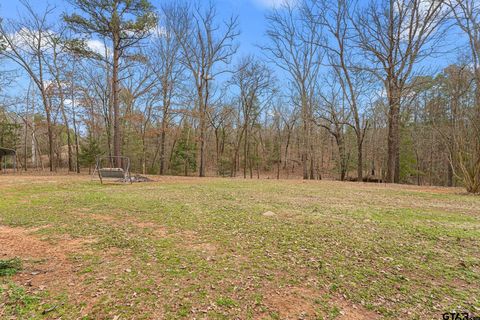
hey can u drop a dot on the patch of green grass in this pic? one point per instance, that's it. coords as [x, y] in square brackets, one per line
[10, 267]
[18, 302]
[203, 248]
[226, 302]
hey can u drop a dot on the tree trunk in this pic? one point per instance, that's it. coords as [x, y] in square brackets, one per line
[144, 157]
[304, 152]
[69, 139]
[341, 153]
[312, 171]
[202, 142]
[117, 140]
[25, 141]
[77, 144]
[360, 158]
[449, 174]
[49, 132]
[50, 142]
[245, 153]
[162, 150]
[305, 135]
[393, 153]
[287, 144]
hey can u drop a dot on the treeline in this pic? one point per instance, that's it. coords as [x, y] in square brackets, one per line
[336, 89]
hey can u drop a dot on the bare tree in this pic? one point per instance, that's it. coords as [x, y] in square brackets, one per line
[138, 96]
[169, 72]
[394, 36]
[56, 63]
[295, 47]
[335, 19]
[219, 116]
[255, 84]
[205, 45]
[27, 46]
[467, 146]
[334, 115]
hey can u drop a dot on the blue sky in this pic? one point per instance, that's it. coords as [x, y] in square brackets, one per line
[251, 16]
[252, 24]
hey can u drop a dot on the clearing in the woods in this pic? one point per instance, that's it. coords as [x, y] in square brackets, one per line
[235, 249]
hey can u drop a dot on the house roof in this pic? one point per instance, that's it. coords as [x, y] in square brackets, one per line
[6, 152]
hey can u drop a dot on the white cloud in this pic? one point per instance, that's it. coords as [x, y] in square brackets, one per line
[27, 39]
[158, 31]
[96, 46]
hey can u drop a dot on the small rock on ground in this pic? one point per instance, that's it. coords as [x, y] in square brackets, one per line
[269, 214]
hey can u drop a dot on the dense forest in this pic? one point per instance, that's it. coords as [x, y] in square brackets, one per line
[337, 89]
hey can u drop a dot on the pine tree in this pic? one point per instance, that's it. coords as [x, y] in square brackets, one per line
[89, 152]
[124, 23]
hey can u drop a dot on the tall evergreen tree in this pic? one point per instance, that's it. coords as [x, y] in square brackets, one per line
[124, 23]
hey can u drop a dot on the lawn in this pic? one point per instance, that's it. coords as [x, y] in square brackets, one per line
[203, 249]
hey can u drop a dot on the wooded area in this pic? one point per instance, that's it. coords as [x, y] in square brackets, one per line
[341, 90]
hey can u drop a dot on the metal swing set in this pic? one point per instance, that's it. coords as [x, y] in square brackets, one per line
[113, 167]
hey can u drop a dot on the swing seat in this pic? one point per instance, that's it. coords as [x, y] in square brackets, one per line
[118, 173]
[113, 167]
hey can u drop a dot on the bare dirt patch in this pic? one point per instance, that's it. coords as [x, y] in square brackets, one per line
[292, 303]
[160, 231]
[302, 303]
[350, 311]
[45, 265]
[205, 247]
[100, 217]
[51, 265]
[117, 220]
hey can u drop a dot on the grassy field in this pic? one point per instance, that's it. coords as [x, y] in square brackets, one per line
[204, 249]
